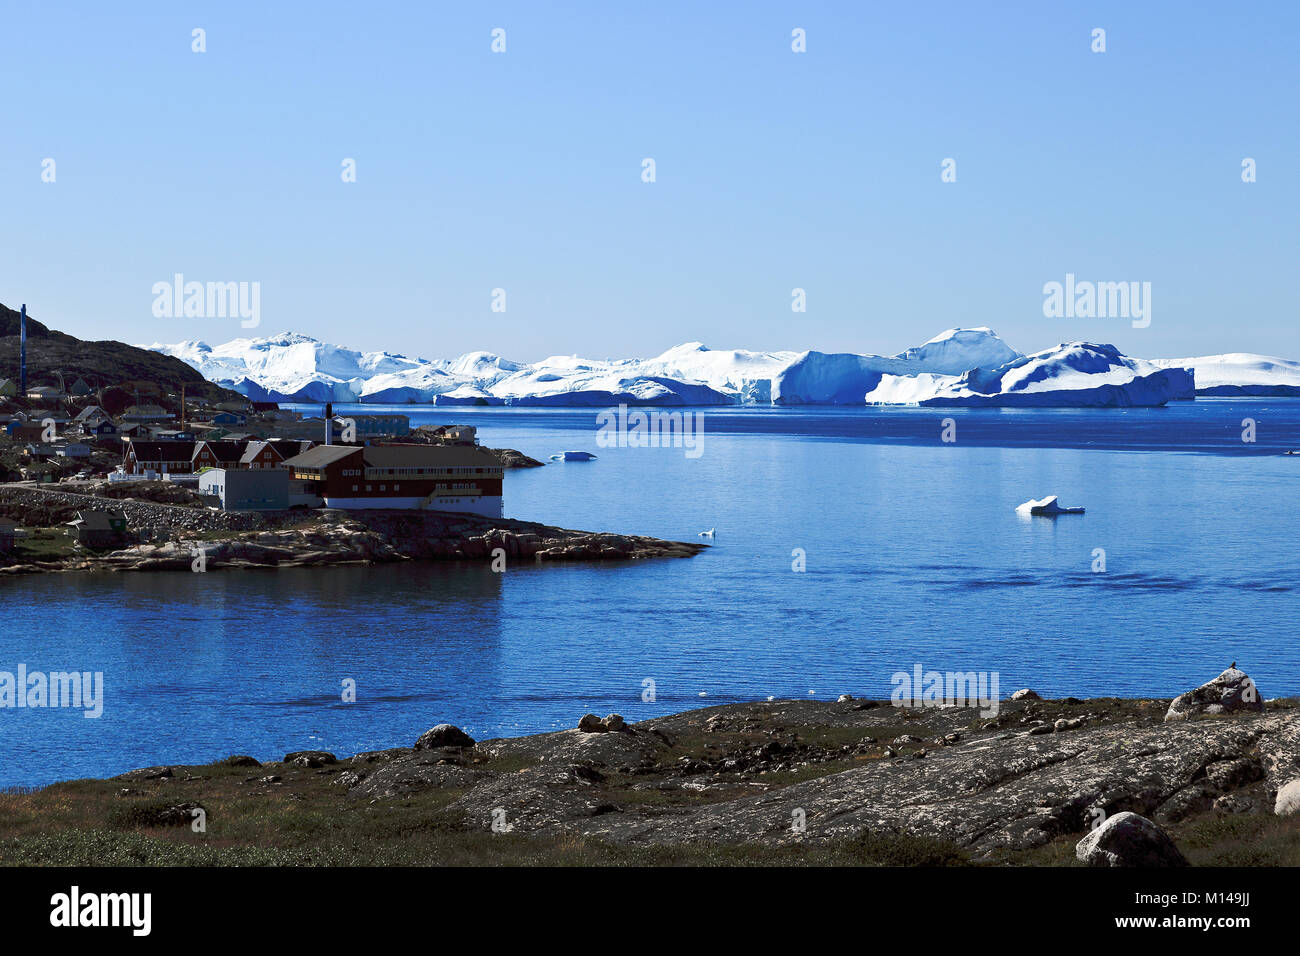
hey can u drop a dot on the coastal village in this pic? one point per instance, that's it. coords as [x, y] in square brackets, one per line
[167, 481]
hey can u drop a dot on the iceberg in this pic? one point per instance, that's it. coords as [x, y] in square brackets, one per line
[1240, 373]
[1046, 507]
[1074, 374]
[818, 378]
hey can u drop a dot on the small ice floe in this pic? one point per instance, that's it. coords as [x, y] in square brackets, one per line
[1047, 507]
[574, 456]
[708, 534]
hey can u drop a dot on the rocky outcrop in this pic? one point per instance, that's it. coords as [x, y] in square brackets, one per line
[179, 538]
[996, 789]
[591, 724]
[511, 458]
[1127, 839]
[1109, 781]
[1231, 691]
[310, 758]
[444, 735]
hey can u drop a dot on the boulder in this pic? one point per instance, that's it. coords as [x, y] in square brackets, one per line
[310, 758]
[242, 760]
[1230, 692]
[614, 722]
[1127, 839]
[591, 724]
[1025, 694]
[1288, 799]
[444, 735]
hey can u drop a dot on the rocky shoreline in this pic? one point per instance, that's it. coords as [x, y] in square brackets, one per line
[1212, 778]
[178, 536]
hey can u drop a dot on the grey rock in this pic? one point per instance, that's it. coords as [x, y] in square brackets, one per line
[1224, 775]
[614, 722]
[1230, 692]
[310, 758]
[1128, 839]
[591, 724]
[444, 735]
[1025, 694]
[145, 773]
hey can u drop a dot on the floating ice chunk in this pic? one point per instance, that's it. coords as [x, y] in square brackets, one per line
[1046, 506]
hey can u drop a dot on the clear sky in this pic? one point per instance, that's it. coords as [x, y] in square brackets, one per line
[522, 170]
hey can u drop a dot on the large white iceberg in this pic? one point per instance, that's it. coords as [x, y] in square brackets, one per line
[1073, 374]
[820, 378]
[1240, 373]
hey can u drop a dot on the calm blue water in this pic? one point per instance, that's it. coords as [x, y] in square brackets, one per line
[914, 555]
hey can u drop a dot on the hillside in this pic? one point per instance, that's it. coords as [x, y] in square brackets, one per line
[103, 363]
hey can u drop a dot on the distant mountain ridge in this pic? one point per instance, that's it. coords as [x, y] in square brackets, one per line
[291, 366]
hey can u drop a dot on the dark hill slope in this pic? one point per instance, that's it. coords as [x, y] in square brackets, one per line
[103, 363]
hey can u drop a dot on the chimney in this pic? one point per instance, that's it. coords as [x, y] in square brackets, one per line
[329, 423]
[22, 350]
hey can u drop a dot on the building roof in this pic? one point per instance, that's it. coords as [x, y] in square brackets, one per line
[97, 520]
[90, 411]
[162, 450]
[285, 448]
[224, 450]
[322, 456]
[429, 456]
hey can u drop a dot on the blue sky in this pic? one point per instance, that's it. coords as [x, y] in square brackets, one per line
[774, 170]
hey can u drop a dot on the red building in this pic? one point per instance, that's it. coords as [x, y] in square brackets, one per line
[433, 477]
[217, 454]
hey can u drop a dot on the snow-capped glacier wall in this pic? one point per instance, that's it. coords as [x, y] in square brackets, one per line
[956, 367]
